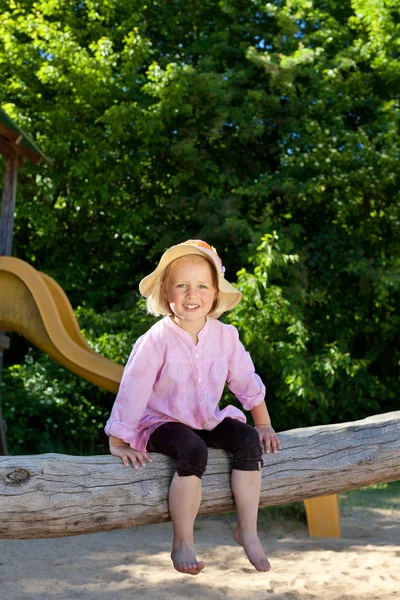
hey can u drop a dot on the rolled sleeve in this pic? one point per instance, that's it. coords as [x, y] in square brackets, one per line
[120, 430]
[242, 379]
[134, 391]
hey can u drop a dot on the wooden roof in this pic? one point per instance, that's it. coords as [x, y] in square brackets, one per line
[14, 141]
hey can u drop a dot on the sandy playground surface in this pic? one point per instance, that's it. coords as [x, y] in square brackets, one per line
[134, 563]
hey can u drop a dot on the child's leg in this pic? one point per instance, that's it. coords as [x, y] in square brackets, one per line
[246, 487]
[184, 501]
[243, 442]
[180, 442]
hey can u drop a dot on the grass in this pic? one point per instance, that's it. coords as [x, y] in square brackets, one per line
[291, 516]
[379, 495]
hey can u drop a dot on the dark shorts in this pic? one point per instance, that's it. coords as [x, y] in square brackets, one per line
[189, 446]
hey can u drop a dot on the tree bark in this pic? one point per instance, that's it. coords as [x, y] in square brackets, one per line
[52, 495]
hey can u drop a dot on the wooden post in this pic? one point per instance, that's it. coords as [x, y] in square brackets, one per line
[4, 344]
[6, 235]
[8, 204]
[13, 153]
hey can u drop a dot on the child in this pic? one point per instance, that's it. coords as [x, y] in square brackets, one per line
[168, 398]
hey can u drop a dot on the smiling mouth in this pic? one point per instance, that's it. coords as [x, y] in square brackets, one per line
[191, 306]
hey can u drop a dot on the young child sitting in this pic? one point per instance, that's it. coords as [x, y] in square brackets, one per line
[170, 389]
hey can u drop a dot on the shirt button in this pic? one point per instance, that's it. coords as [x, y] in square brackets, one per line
[199, 379]
[204, 425]
[201, 403]
[197, 355]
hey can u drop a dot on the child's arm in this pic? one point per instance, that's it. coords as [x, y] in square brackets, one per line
[262, 423]
[250, 390]
[130, 404]
[126, 453]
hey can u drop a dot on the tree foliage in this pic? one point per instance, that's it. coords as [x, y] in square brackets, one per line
[311, 378]
[225, 121]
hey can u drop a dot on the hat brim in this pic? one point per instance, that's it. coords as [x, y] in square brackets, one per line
[232, 296]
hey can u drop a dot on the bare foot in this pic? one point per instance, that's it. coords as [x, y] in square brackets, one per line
[185, 561]
[254, 550]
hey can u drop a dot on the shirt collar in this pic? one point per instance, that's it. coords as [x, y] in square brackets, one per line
[184, 334]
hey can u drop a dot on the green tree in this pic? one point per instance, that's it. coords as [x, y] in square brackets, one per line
[223, 121]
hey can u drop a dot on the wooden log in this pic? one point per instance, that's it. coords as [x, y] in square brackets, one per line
[54, 495]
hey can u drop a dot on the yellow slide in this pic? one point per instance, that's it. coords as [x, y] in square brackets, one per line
[34, 305]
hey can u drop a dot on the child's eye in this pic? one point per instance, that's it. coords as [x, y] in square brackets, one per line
[203, 286]
[181, 285]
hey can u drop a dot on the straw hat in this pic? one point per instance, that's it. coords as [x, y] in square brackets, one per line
[230, 294]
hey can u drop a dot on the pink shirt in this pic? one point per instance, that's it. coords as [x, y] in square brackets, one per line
[170, 378]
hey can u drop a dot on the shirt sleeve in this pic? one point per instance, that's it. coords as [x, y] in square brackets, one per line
[242, 379]
[134, 391]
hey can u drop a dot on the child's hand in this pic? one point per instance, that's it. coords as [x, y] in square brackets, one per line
[126, 453]
[269, 438]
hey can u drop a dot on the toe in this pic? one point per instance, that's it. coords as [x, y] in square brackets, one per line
[266, 565]
[262, 565]
[257, 565]
[193, 570]
[190, 569]
[181, 567]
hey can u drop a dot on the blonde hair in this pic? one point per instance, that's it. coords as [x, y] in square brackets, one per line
[157, 303]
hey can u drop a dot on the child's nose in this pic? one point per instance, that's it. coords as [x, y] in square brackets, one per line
[191, 291]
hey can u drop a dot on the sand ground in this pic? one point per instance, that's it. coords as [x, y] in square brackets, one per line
[134, 563]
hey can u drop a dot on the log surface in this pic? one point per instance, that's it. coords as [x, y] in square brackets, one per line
[54, 495]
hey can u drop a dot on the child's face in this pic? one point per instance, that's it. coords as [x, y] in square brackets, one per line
[191, 291]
